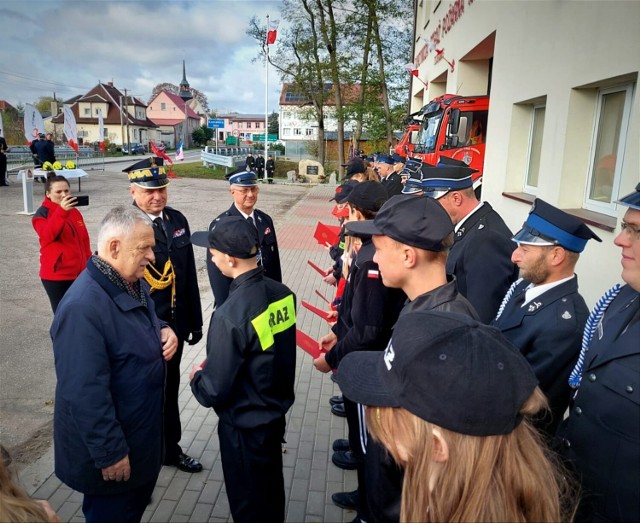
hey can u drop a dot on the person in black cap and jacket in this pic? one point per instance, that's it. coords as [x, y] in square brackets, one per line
[174, 289]
[389, 178]
[542, 313]
[450, 399]
[44, 149]
[248, 376]
[412, 237]
[481, 255]
[601, 436]
[244, 190]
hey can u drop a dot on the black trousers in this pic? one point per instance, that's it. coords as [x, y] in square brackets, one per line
[252, 468]
[357, 437]
[383, 483]
[3, 168]
[55, 290]
[172, 425]
[127, 507]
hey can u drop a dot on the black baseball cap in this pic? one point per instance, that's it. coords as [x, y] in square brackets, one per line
[343, 191]
[355, 166]
[232, 235]
[368, 196]
[447, 369]
[420, 222]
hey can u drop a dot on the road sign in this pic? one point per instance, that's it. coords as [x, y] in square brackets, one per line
[260, 138]
[236, 133]
[215, 123]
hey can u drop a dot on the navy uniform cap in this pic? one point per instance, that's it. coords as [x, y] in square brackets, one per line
[632, 199]
[412, 165]
[548, 225]
[398, 158]
[445, 161]
[438, 181]
[419, 222]
[148, 173]
[232, 235]
[385, 158]
[244, 179]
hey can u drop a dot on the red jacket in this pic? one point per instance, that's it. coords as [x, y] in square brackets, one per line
[64, 241]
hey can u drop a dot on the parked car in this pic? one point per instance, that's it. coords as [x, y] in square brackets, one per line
[19, 149]
[136, 148]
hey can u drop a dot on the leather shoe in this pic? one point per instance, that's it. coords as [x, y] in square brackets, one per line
[334, 400]
[345, 459]
[333, 377]
[341, 444]
[346, 500]
[185, 463]
[338, 410]
[4, 184]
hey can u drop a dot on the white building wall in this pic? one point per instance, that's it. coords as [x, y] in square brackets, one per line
[558, 52]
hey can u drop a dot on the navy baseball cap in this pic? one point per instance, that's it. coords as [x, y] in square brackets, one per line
[355, 166]
[343, 191]
[447, 369]
[244, 179]
[148, 173]
[548, 225]
[438, 181]
[419, 222]
[232, 235]
[369, 196]
[632, 199]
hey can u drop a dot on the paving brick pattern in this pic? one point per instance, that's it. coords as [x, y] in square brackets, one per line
[310, 477]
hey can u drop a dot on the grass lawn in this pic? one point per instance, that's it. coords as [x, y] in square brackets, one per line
[196, 170]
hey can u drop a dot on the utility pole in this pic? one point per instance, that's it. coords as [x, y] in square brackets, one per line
[121, 125]
[126, 102]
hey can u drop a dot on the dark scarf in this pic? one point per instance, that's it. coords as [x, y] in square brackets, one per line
[132, 289]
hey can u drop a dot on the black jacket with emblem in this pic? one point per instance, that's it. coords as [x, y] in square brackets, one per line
[249, 374]
[480, 259]
[177, 246]
[268, 249]
[393, 184]
[548, 331]
[601, 436]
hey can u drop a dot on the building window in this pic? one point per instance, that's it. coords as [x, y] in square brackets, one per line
[613, 110]
[286, 131]
[240, 125]
[308, 132]
[297, 132]
[87, 111]
[534, 149]
[163, 106]
[248, 125]
[106, 133]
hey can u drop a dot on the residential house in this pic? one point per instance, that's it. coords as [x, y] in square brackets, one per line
[245, 126]
[167, 111]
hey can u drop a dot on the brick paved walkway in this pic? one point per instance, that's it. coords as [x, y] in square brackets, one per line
[310, 477]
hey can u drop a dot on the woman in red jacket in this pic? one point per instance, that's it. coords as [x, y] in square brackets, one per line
[64, 240]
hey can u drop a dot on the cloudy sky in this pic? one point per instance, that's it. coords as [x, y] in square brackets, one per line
[68, 46]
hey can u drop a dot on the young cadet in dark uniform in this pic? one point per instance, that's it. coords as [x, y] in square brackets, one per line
[601, 436]
[412, 236]
[244, 189]
[3, 161]
[366, 315]
[542, 313]
[250, 163]
[389, 178]
[260, 166]
[271, 169]
[174, 289]
[481, 256]
[248, 377]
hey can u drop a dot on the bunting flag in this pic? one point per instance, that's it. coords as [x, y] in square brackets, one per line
[179, 152]
[101, 130]
[70, 128]
[412, 69]
[33, 123]
[160, 154]
[272, 32]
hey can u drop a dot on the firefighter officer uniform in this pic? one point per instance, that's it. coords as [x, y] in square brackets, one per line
[174, 289]
[269, 256]
[248, 377]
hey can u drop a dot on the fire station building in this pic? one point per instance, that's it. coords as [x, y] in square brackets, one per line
[564, 110]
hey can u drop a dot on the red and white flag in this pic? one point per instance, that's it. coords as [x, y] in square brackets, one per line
[33, 123]
[272, 31]
[70, 128]
[411, 68]
[160, 153]
[101, 130]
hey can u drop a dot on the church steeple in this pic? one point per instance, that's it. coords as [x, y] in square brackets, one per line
[185, 92]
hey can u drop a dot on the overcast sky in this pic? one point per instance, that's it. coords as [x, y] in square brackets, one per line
[68, 46]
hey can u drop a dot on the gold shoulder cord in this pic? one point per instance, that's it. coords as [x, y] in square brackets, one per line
[162, 281]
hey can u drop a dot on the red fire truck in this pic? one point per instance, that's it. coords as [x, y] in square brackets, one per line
[450, 125]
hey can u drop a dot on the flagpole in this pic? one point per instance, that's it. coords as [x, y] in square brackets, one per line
[266, 97]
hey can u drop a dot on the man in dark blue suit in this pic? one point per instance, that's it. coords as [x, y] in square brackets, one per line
[244, 189]
[480, 258]
[601, 437]
[543, 314]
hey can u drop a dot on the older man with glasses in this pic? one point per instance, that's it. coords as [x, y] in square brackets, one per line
[244, 190]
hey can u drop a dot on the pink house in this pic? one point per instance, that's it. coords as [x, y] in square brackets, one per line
[167, 111]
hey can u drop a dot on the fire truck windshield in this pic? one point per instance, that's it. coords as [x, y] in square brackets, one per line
[428, 134]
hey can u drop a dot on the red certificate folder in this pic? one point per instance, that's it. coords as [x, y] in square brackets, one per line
[325, 315]
[308, 344]
[318, 269]
[327, 234]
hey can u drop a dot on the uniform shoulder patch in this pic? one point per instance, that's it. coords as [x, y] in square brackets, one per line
[279, 316]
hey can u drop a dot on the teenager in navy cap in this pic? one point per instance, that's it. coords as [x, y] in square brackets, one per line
[248, 376]
[481, 255]
[244, 190]
[389, 178]
[601, 436]
[450, 399]
[542, 313]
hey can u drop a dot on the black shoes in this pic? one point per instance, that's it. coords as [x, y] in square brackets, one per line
[345, 459]
[341, 444]
[4, 184]
[346, 500]
[184, 463]
[338, 410]
[335, 400]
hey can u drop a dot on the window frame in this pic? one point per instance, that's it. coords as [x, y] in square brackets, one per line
[527, 188]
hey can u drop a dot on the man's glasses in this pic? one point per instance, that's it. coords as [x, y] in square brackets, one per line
[633, 232]
[247, 190]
